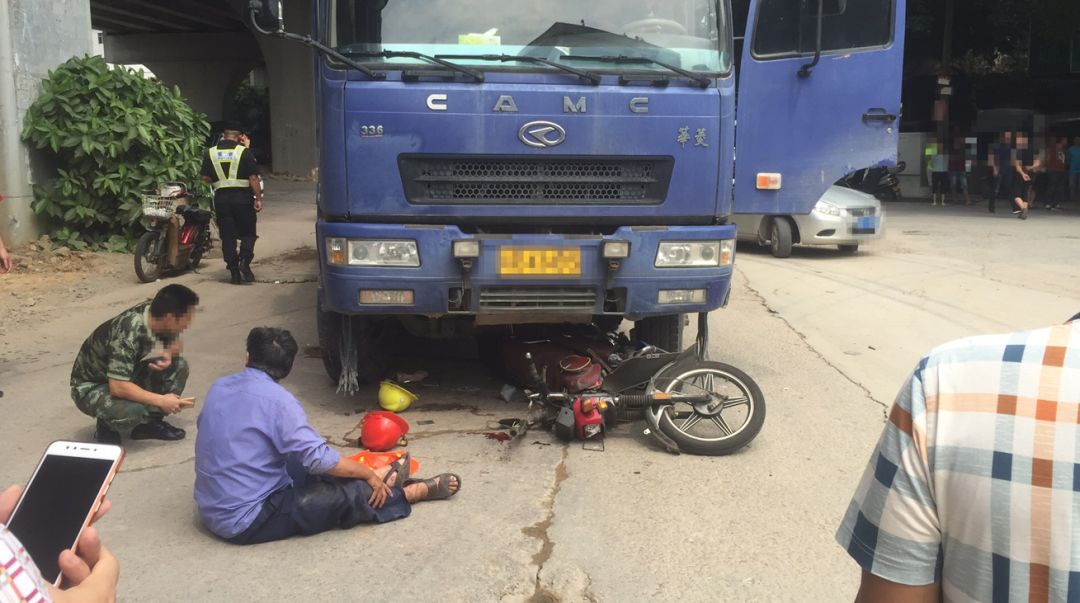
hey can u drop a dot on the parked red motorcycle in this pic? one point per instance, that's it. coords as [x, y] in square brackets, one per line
[177, 234]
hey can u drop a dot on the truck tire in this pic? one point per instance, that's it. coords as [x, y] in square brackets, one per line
[374, 339]
[780, 240]
[664, 332]
[330, 328]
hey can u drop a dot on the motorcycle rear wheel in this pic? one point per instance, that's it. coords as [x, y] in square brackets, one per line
[733, 417]
[149, 259]
[202, 245]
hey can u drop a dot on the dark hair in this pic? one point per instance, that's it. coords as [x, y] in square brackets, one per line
[173, 299]
[272, 351]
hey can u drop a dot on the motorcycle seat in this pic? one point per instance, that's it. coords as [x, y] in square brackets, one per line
[194, 213]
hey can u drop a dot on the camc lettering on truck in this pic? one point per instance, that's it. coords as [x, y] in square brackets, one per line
[507, 104]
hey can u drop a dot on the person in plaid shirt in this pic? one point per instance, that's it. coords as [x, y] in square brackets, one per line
[973, 491]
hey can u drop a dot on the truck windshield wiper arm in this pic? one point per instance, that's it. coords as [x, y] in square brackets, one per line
[592, 78]
[622, 59]
[477, 76]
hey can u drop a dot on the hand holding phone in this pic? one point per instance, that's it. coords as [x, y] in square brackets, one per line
[64, 496]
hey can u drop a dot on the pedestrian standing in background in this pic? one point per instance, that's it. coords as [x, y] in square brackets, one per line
[958, 166]
[1055, 175]
[1002, 174]
[939, 173]
[1072, 157]
[1036, 168]
[1023, 164]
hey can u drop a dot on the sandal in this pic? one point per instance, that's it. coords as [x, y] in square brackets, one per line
[438, 490]
[400, 468]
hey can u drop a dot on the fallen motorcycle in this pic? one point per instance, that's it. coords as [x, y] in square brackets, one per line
[691, 404]
[177, 235]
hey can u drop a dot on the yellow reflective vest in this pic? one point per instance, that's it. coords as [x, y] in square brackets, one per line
[231, 158]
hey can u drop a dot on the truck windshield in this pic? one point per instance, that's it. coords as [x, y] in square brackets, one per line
[693, 35]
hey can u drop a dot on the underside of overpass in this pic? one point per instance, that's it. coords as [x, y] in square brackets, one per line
[205, 48]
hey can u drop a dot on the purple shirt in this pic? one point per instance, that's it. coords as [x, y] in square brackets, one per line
[248, 428]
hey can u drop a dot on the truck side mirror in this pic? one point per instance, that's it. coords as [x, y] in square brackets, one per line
[266, 15]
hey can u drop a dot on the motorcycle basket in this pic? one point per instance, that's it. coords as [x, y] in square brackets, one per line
[158, 207]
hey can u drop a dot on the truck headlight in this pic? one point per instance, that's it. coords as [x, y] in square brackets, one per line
[694, 254]
[824, 207]
[396, 254]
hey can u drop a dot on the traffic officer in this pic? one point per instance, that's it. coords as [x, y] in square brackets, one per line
[230, 169]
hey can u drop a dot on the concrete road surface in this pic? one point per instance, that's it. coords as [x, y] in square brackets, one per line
[828, 338]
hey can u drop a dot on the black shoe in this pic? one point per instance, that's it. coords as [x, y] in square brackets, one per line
[157, 430]
[245, 270]
[105, 434]
[234, 275]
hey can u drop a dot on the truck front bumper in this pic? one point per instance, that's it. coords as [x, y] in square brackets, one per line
[442, 285]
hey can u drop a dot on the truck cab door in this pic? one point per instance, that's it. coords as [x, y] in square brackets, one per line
[814, 123]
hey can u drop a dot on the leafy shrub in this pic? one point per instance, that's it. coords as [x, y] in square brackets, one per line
[112, 135]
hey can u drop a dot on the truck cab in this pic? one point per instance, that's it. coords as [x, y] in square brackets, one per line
[491, 163]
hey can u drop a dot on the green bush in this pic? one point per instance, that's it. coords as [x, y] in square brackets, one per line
[112, 135]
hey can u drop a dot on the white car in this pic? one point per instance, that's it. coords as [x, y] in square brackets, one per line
[843, 217]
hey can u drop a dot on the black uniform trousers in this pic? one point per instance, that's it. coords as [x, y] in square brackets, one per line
[235, 209]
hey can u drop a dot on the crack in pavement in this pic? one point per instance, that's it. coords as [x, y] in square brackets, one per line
[765, 304]
[158, 466]
[539, 530]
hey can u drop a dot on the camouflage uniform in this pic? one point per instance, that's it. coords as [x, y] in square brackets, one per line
[115, 350]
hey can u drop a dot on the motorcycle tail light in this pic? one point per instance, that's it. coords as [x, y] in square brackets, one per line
[187, 235]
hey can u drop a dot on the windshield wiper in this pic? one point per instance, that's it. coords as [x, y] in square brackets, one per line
[622, 59]
[477, 76]
[592, 78]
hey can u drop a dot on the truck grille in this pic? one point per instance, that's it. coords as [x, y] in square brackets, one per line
[536, 298]
[464, 179]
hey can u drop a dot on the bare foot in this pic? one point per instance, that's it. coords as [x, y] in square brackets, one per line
[418, 490]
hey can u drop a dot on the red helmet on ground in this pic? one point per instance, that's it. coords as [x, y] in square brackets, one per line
[381, 430]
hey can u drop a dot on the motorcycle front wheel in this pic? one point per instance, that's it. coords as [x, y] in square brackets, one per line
[149, 256]
[731, 418]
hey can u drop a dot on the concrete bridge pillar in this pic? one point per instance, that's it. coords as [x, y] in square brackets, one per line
[206, 66]
[292, 93]
[35, 36]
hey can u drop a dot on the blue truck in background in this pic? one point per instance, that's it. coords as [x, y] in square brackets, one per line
[486, 162]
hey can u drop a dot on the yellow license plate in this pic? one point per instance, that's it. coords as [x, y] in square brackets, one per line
[543, 262]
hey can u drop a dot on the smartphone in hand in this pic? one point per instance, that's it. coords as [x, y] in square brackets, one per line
[63, 495]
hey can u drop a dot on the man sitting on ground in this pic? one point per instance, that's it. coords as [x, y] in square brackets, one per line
[129, 373]
[262, 473]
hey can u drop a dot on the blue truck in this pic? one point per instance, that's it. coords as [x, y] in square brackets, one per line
[487, 162]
